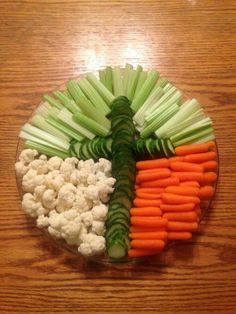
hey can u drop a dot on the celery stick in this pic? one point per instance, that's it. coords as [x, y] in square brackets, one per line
[203, 139]
[167, 87]
[90, 124]
[65, 128]
[127, 72]
[93, 96]
[27, 136]
[91, 112]
[109, 79]
[145, 90]
[43, 109]
[41, 123]
[66, 101]
[67, 117]
[118, 82]
[201, 133]
[74, 90]
[102, 76]
[67, 94]
[156, 93]
[133, 82]
[45, 135]
[46, 150]
[142, 78]
[101, 89]
[52, 101]
[162, 82]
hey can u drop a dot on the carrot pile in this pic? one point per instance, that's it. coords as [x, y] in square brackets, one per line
[168, 195]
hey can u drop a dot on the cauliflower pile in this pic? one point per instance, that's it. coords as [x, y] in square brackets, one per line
[67, 197]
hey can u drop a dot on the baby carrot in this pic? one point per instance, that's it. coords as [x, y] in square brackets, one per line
[188, 176]
[209, 165]
[199, 158]
[141, 252]
[153, 175]
[153, 163]
[145, 211]
[191, 149]
[147, 195]
[183, 190]
[198, 210]
[162, 235]
[151, 170]
[134, 229]
[181, 226]
[148, 221]
[177, 208]
[176, 158]
[186, 166]
[141, 202]
[150, 190]
[206, 191]
[181, 216]
[210, 177]
[152, 244]
[211, 144]
[161, 182]
[190, 183]
[170, 198]
[172, 235]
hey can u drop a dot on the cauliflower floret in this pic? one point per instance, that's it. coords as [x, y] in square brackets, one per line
[28, 155]
[49, 199]
[67, 167]
[43, 157]
[103, 190]
[90, 166]
[38, 192]
[66, 197]
[39, 165]
[82, 176]
[54, 180]
[28, 182]
[42, 221]
[21, 168]
[99, 212]
[80, 203]
[75, 178]
[87, 218]
[91, 179]
[92, 193]
[31, 206]
[98, 227]
[92, 244]
[104, 165]
[54, 163]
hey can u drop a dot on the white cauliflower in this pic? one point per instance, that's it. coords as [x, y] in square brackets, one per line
[43, 157]
[49, 200]
[38, 192]
[92, 193]
[21, 168]
[91, 179]
[28, 155]
[92, 244]
[98, 227]
[104, 166]
[87, 218]
[54, 163]
[42, 221]
[99, 212]
[66, 196]
[32, 207]
[81, 204]
[67, 167]
[28, 181]
[54, 180]
[40, 166]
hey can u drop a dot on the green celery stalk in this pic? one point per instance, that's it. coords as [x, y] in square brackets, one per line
[201, 133]
[117, 82]
[43, 110]
[102, 77]
[127, 72]
[133, 82]
[46, 150]
[74, 90]
[145, 90]
[90, 124]
[69, 103]
[162, 82]
[142, 78]
[109, 79]
[52, 101]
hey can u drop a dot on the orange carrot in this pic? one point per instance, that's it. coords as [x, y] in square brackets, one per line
[188, 176]
[211, 144]
[153, 163]
[172, 235]
[176, 158]
[151, 170]
[161, 182]
[170, 198]
[186, 166]
[181, 226]
[147, 195]
[206, 191]
[148, 221]
[199, 158]
[149, 235]
[209, 165]
[153, 175]
[150, 190]
[177, 208]
[181, 216]
[183, 190]
[210, 177]
[190, 183]
[145, 211]
[153, 244]
[134, 229]
[198, 210]
[191, 149]
[142, 202]
[141, 252]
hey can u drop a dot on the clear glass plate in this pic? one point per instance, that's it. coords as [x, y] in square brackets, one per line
[104, 259]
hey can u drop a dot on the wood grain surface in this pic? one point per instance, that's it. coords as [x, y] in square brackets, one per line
[45, 42]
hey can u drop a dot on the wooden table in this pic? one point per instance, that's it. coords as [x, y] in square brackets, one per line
[42, 44]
